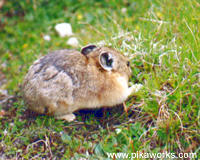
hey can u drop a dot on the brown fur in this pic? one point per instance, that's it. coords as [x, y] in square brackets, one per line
[66, 80]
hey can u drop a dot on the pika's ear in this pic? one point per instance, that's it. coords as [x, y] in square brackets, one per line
[106, 61]
[86, 50]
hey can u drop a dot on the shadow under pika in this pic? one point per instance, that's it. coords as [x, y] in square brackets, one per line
[100, 114]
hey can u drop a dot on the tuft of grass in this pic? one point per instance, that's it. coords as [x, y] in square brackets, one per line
[161, 40]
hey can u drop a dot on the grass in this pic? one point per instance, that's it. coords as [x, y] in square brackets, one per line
[162, 40]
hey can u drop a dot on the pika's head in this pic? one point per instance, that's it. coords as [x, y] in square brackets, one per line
[108, 59]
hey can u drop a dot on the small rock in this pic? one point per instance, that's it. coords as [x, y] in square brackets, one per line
[47, 37]
[64, 29]
[73, 42]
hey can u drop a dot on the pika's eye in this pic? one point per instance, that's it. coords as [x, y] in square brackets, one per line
[128, 64]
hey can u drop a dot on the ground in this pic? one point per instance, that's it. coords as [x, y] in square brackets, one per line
[161, 38]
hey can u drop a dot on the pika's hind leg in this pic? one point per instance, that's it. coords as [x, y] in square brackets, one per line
[68, 117]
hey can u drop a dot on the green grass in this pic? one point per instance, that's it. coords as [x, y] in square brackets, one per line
[162, 40]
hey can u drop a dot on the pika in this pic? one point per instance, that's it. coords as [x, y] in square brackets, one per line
[64, 81]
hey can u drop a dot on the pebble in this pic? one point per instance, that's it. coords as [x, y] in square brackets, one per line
[73, 42]
[64, 29]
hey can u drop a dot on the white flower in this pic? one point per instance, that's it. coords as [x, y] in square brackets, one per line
[137, 87]
[11, 124]
[47, 37]
[64, 29]
[4, 65]
[123, 10]
[73, 42]
[101, 43]
[118, 130]
[5, 132]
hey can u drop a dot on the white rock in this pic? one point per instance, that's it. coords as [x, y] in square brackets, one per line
[47, 37]
[73, 42]
[64, 29]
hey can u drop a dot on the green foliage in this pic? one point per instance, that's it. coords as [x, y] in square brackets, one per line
[162, 39]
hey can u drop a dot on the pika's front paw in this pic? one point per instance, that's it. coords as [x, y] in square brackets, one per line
[67, 117]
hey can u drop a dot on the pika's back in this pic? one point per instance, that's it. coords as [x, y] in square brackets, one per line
[69, 62]
[53, 78]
